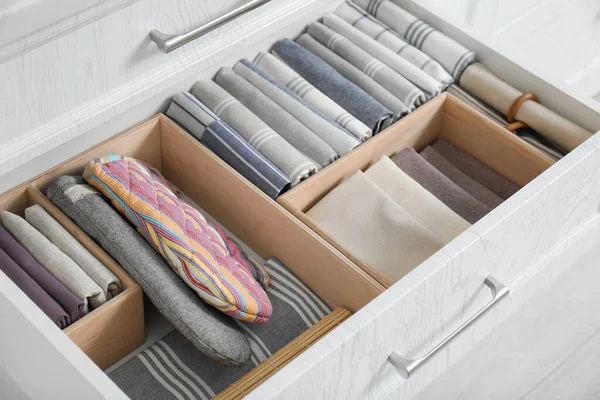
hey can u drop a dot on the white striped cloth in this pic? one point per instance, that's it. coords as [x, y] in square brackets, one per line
[173, 368]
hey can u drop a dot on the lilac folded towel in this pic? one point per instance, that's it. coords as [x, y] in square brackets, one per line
[440, 186]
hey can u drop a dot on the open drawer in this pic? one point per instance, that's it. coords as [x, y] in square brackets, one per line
[514, 244]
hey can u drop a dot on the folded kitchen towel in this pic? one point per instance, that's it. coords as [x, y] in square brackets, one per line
[329, 81]
[476, 169]
[57, 234]
[279, 71]
[67, 300]
[398, 85]
[227, 144]
[440, 186]
[429, 86]
[61, 266]
[295, 165]
[172, 369]
[281, 121]
[356, 76]
[453, 56]
[367, 223]
[471, 186]
[430, 211]
[34, 291]
[212, 332]
[369, 25]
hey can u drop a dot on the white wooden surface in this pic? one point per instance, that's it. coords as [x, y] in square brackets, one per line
[9, 390]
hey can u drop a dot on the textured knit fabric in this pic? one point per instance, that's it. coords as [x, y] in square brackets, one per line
[355, 75]
[55, 261]
[57, 234]
[477, 170]
[281, 121]
[453, 56]
[333, 134]
[369, 25]
[471, 186]
[211, 331]
[429, 86]
[279, 71]
[34, 291]
[440, 186]
[172, 369]
[399, 86]
[182, 235]
[325, 78]
[416, 200]
[67, 300]
[276, 149]
[227, 144]
[367, 223]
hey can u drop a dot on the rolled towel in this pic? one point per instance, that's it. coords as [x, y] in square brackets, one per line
[269, 143]
[212, 332]
[55, 261]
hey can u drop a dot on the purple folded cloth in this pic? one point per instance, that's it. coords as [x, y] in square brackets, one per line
[34, 291]
[67, 300]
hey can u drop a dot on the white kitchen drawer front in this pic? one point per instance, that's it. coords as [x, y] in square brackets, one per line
[411, 317]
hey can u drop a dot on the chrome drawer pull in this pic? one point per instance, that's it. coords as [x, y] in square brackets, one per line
[407, 367]
[167, 43]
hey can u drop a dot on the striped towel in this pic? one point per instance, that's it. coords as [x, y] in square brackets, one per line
[173, 368]
[182, 235]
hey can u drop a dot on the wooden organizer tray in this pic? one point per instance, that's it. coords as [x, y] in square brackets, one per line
[444, 116]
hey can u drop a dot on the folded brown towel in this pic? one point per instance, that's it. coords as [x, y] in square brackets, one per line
[440, 186]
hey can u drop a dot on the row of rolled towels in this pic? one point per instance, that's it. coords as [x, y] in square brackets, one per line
[403, 209]
[298, 108]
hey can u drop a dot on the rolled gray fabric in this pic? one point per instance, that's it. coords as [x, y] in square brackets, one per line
[440, 186]
[369, 25]
[172, 369]
[57, 234]
[329, 81]
[355, 75]
[453, 56]
[55, 261]
[276, 149]
[333, 134]
[287, 76]
[429, 86]
[276, 117]
[397, 84]
[212, 332]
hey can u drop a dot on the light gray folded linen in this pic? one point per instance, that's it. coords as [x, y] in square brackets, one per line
[333, 134]
[211, 331]
[55, 261]
[57, 234]
[282, 122]
[269, 143]
[281, 72]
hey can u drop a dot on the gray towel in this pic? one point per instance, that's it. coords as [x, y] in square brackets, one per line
[172, 369]
[282, 122]
[276, 149]
[369, 25]
[287, 76]
[333, 134]
[440, 186]
[57, 234]
[55, 261]
[414, 74]
[399, 86]
[211, 331]
[325, 78]
[355, 75]
[227, 144]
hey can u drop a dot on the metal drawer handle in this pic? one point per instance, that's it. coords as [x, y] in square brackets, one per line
[407, 367]
[167, 43]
